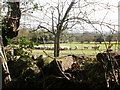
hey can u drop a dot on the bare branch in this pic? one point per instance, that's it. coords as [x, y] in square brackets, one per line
[66, 13]
[45, 29]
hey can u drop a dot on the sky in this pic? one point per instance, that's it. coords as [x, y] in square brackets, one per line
[107, 14]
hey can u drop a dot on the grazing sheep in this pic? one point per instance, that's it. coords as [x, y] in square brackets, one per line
[64, 48]
[76, 47]
[86, 47]
[51, 47]
[96, 47]
[36, 47]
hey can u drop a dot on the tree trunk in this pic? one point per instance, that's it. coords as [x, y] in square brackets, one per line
[57, 44]
[11, 23]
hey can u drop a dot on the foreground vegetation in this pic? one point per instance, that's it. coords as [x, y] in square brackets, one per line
[31, 68]
[43, 73]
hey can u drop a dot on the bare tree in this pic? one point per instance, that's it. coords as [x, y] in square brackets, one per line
[61, 22]
[70, 15]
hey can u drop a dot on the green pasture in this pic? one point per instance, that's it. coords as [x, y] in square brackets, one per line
[66, 52]
[79, 51]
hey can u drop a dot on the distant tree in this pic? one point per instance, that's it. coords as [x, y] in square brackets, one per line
[87, 37]
[99, 39]
[34, 39]
[109, 38]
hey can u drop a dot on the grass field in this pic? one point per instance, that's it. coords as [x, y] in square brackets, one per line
[79, 51]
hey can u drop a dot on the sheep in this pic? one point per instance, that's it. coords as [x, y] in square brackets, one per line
[36, 47]
[39, 47]
[76, 47]
[51, 47]
[64, 48]
[86, 47]
[96, 47]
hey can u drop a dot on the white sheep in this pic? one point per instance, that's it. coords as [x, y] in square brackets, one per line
[86, 47]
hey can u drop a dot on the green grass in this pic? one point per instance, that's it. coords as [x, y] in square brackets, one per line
[66, 52]
[81, 46]
[80, 50]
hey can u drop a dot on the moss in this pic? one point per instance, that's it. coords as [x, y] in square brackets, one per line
[47, 60]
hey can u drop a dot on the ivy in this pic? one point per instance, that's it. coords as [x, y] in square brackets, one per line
[35, 6]
[23, 43]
